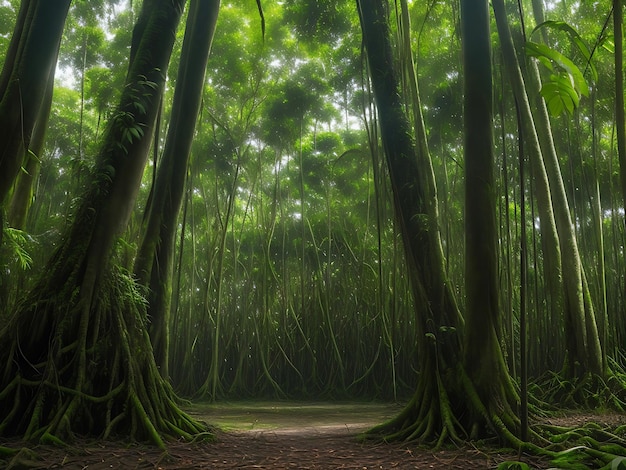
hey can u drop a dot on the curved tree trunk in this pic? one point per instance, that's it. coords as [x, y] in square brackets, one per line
[23, 192]
[32, 53]
[154, 263]
[549, 236]
[78, 357]
[584, 342]
[579, 307]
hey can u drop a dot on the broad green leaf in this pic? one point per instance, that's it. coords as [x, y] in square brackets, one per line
[559, 95]
[576, 39]
[534, 49]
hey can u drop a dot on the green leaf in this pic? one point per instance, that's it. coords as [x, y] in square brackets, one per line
[534, 49]
[137, 132]
[560, 95]
[576, 39]
[618, 463]
[17, 241]
[608, 43]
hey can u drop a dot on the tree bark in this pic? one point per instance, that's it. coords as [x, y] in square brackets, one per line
[23, 192]
[32, 52]
[483, 358]
[78, 357]
[154, 263]
[446, 403]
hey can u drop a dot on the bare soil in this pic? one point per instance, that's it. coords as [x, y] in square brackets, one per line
[237, 450]
[271, 436]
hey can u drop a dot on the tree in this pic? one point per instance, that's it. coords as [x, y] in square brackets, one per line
[483, 359]
[77, 355]
[584, 351]
[154, 262]
[32, 54]
[463, 388]
[620, 122]
[23, 192]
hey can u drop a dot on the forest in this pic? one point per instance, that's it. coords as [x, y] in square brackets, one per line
[410, 202]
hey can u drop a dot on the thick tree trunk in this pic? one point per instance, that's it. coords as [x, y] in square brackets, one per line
[483, 358]
[32, 52]
[154, 263]
[446, 403]
[23, 192]
[411, 203]
[78, 356]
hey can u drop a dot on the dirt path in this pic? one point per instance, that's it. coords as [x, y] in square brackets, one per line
[273, 436]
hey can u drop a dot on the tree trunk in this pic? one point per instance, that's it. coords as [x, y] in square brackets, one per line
[23, 192]
[549, 236]
[154, 263]
[446, 404]
[78, 357]
[32, 53]
[620, 124]
[483, 358]
[584, 352]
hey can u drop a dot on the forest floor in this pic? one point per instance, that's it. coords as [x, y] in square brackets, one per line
[279, 435]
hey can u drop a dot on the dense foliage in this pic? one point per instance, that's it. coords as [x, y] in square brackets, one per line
[290, 279]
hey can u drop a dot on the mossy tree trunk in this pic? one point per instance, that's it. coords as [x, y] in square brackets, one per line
[483, 358]
[32, 52]
[154, 263]
[447, 404]
[584, 350]
[23, 191]
[620, 120]
[551, 248]
[78, 357]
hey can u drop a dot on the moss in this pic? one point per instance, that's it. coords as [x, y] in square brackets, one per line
[108, 385]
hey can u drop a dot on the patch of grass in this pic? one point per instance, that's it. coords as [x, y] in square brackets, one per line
[271, 415]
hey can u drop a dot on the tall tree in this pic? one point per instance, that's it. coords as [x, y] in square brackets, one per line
[154, 263]
[77, 356]
[584, 351]
[483, 358]
[31, 55]
[23, 192]
[450, 401]
[620, 122]
[584, 348]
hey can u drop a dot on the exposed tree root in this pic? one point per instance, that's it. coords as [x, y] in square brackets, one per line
[588, 391]
[76, 368]
[447, 410]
